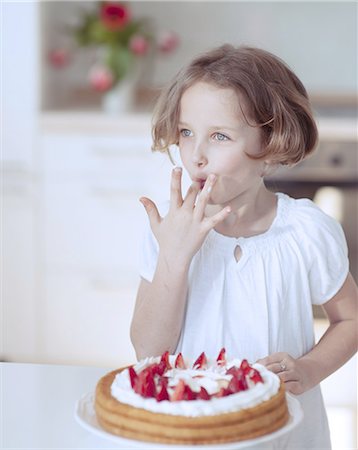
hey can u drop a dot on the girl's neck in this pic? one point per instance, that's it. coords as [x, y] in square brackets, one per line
[252, 214]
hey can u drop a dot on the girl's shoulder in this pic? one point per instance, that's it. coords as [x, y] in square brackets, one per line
[310, 226]
[303, 213]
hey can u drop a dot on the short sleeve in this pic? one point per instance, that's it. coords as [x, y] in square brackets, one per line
[148, 254]
[327, 254]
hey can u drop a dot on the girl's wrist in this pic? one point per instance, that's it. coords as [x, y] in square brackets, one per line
[174, 263]
[312, 370]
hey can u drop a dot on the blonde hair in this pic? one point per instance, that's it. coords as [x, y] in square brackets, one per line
[277, 100]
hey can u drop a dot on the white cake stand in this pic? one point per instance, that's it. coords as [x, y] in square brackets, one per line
[85, 415]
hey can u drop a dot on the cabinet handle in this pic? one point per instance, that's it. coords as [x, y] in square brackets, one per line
[111, 193]
[105, 153]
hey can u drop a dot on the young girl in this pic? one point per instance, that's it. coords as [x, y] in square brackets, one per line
[231, 264]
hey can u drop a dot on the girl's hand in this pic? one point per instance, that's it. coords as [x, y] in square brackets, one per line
[297, 374]
[183, 230]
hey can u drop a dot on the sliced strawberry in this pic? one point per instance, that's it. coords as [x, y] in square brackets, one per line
[238, 382]
[162, 394]
[223, 392]
[255, 376]
[179, 362]
[132, 376]
[203, 394]
[189, 394]
[178, 393]
[245, 366]
[242, 380]
[233, 371]
[200, 363]
[221, 359]
[163, 381]
[157, 369]
[144, 384]
[165, 358]
[234, 385]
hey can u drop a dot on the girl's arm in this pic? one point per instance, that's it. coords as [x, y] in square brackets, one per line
[337, 345]
[159, 310]
[160, 306]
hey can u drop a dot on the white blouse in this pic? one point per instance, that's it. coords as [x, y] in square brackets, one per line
[262, 303]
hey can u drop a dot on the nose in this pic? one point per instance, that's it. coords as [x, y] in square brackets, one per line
[199, 157]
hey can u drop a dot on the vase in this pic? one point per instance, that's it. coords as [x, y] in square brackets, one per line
[120, 99]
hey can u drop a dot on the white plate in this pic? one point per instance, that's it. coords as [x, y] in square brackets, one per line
[86, 417]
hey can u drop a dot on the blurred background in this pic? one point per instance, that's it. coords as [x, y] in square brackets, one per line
[79, 82]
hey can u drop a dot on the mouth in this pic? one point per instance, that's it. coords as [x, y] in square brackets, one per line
[201, 182]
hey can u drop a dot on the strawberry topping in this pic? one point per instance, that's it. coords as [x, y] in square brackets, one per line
[165, 359]
[179, 362]
[132, 376]
[178, 393]
[201, 362]
[144, 385]
[153, 382]
[162, 394]
[203, 394]
[255, 376]
[221, 359]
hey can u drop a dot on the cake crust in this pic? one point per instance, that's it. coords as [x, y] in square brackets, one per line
[136, 423]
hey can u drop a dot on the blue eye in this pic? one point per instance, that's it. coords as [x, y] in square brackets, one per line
[185, 133]
[220, 137]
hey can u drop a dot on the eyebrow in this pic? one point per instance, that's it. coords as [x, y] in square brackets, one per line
[216, 127]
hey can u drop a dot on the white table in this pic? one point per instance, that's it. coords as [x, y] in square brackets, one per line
[38, 405]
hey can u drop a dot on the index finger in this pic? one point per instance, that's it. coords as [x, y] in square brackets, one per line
[176, 197]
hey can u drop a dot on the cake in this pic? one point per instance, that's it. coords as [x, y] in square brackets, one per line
[171, 400]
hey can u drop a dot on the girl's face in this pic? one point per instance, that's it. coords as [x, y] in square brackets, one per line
[214, 138]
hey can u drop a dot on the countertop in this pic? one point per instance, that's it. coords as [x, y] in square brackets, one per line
[38, 404]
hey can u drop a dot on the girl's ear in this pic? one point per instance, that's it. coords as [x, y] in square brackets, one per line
[268, 167]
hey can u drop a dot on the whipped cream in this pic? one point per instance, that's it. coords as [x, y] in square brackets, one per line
[212, 378]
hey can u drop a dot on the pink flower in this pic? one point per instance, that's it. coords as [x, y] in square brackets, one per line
[59, 58]
[138, 45]
[114, 15]
[168, 41]
[100, 78]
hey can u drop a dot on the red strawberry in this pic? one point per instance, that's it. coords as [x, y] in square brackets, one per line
[238, 381]
[200, 363]
[242, 380]
[157, 369]
[255, 376]
[178, 393]
[179, 362]
[203, 394]
[233, 371]
[163, 381]
[234, 385]
[221, 359]
[132, 376]
[189, 394]
[144, 384]
[223, 392]
[165, 358]
[245, 367]
[162, 394]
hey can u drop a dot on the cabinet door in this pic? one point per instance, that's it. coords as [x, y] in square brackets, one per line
[18, 268]
[86, 318]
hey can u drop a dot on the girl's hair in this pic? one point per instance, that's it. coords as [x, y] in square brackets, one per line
[276, 99]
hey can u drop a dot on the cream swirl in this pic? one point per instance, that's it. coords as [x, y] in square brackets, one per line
[212, 378]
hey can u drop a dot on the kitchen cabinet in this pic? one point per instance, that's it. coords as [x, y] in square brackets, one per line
[19, 180]
[18, 236]
[92, 223]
